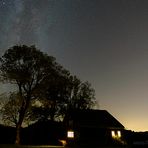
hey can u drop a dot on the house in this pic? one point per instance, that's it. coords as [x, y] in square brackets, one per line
[96, 127]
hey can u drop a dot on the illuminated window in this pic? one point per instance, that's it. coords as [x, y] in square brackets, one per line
[116, 134]
[119, 134]
[70, 134]
[113, 134]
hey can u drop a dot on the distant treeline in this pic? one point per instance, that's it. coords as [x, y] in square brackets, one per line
[136, 138]
[48, 133]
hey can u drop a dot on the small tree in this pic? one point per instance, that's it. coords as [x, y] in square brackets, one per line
[10, 110]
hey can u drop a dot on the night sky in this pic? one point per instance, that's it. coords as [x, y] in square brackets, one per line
[102, 41]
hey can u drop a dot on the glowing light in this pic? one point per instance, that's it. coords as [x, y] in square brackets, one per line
[116, 134]
[63, 142]
[70, 134]
[113, 134]
[119, 134]
[3, 2]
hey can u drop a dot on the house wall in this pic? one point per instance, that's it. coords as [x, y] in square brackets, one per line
[96, 136]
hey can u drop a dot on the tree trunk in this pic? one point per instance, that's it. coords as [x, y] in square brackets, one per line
[20, 121]
[18, 129]
[19, 124]
[24, 106]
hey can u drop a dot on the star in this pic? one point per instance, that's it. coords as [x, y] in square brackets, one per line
[3, 2]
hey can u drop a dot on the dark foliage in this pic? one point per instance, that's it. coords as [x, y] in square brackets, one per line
[43, 133]
[7, 135]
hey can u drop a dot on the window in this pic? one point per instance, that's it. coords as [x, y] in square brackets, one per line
[119, 134]
[116, 134]
[113, 134]
[70, 134]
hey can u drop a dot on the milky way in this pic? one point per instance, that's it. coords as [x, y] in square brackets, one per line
[39, 21]
[24, 21]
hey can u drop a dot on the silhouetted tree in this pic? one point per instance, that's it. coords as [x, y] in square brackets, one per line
[27, 68]
[80, 95]
[10, 110]
[45, 90]
[54, 96]
[67, 92]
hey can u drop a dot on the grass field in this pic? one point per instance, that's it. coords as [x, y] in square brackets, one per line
[45, 146]
[28, 146]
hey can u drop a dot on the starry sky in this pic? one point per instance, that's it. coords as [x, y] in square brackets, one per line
[104, 42]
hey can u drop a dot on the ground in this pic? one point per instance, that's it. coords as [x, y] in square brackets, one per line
[13, 146]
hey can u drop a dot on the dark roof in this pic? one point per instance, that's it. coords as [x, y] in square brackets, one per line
[93, 118]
